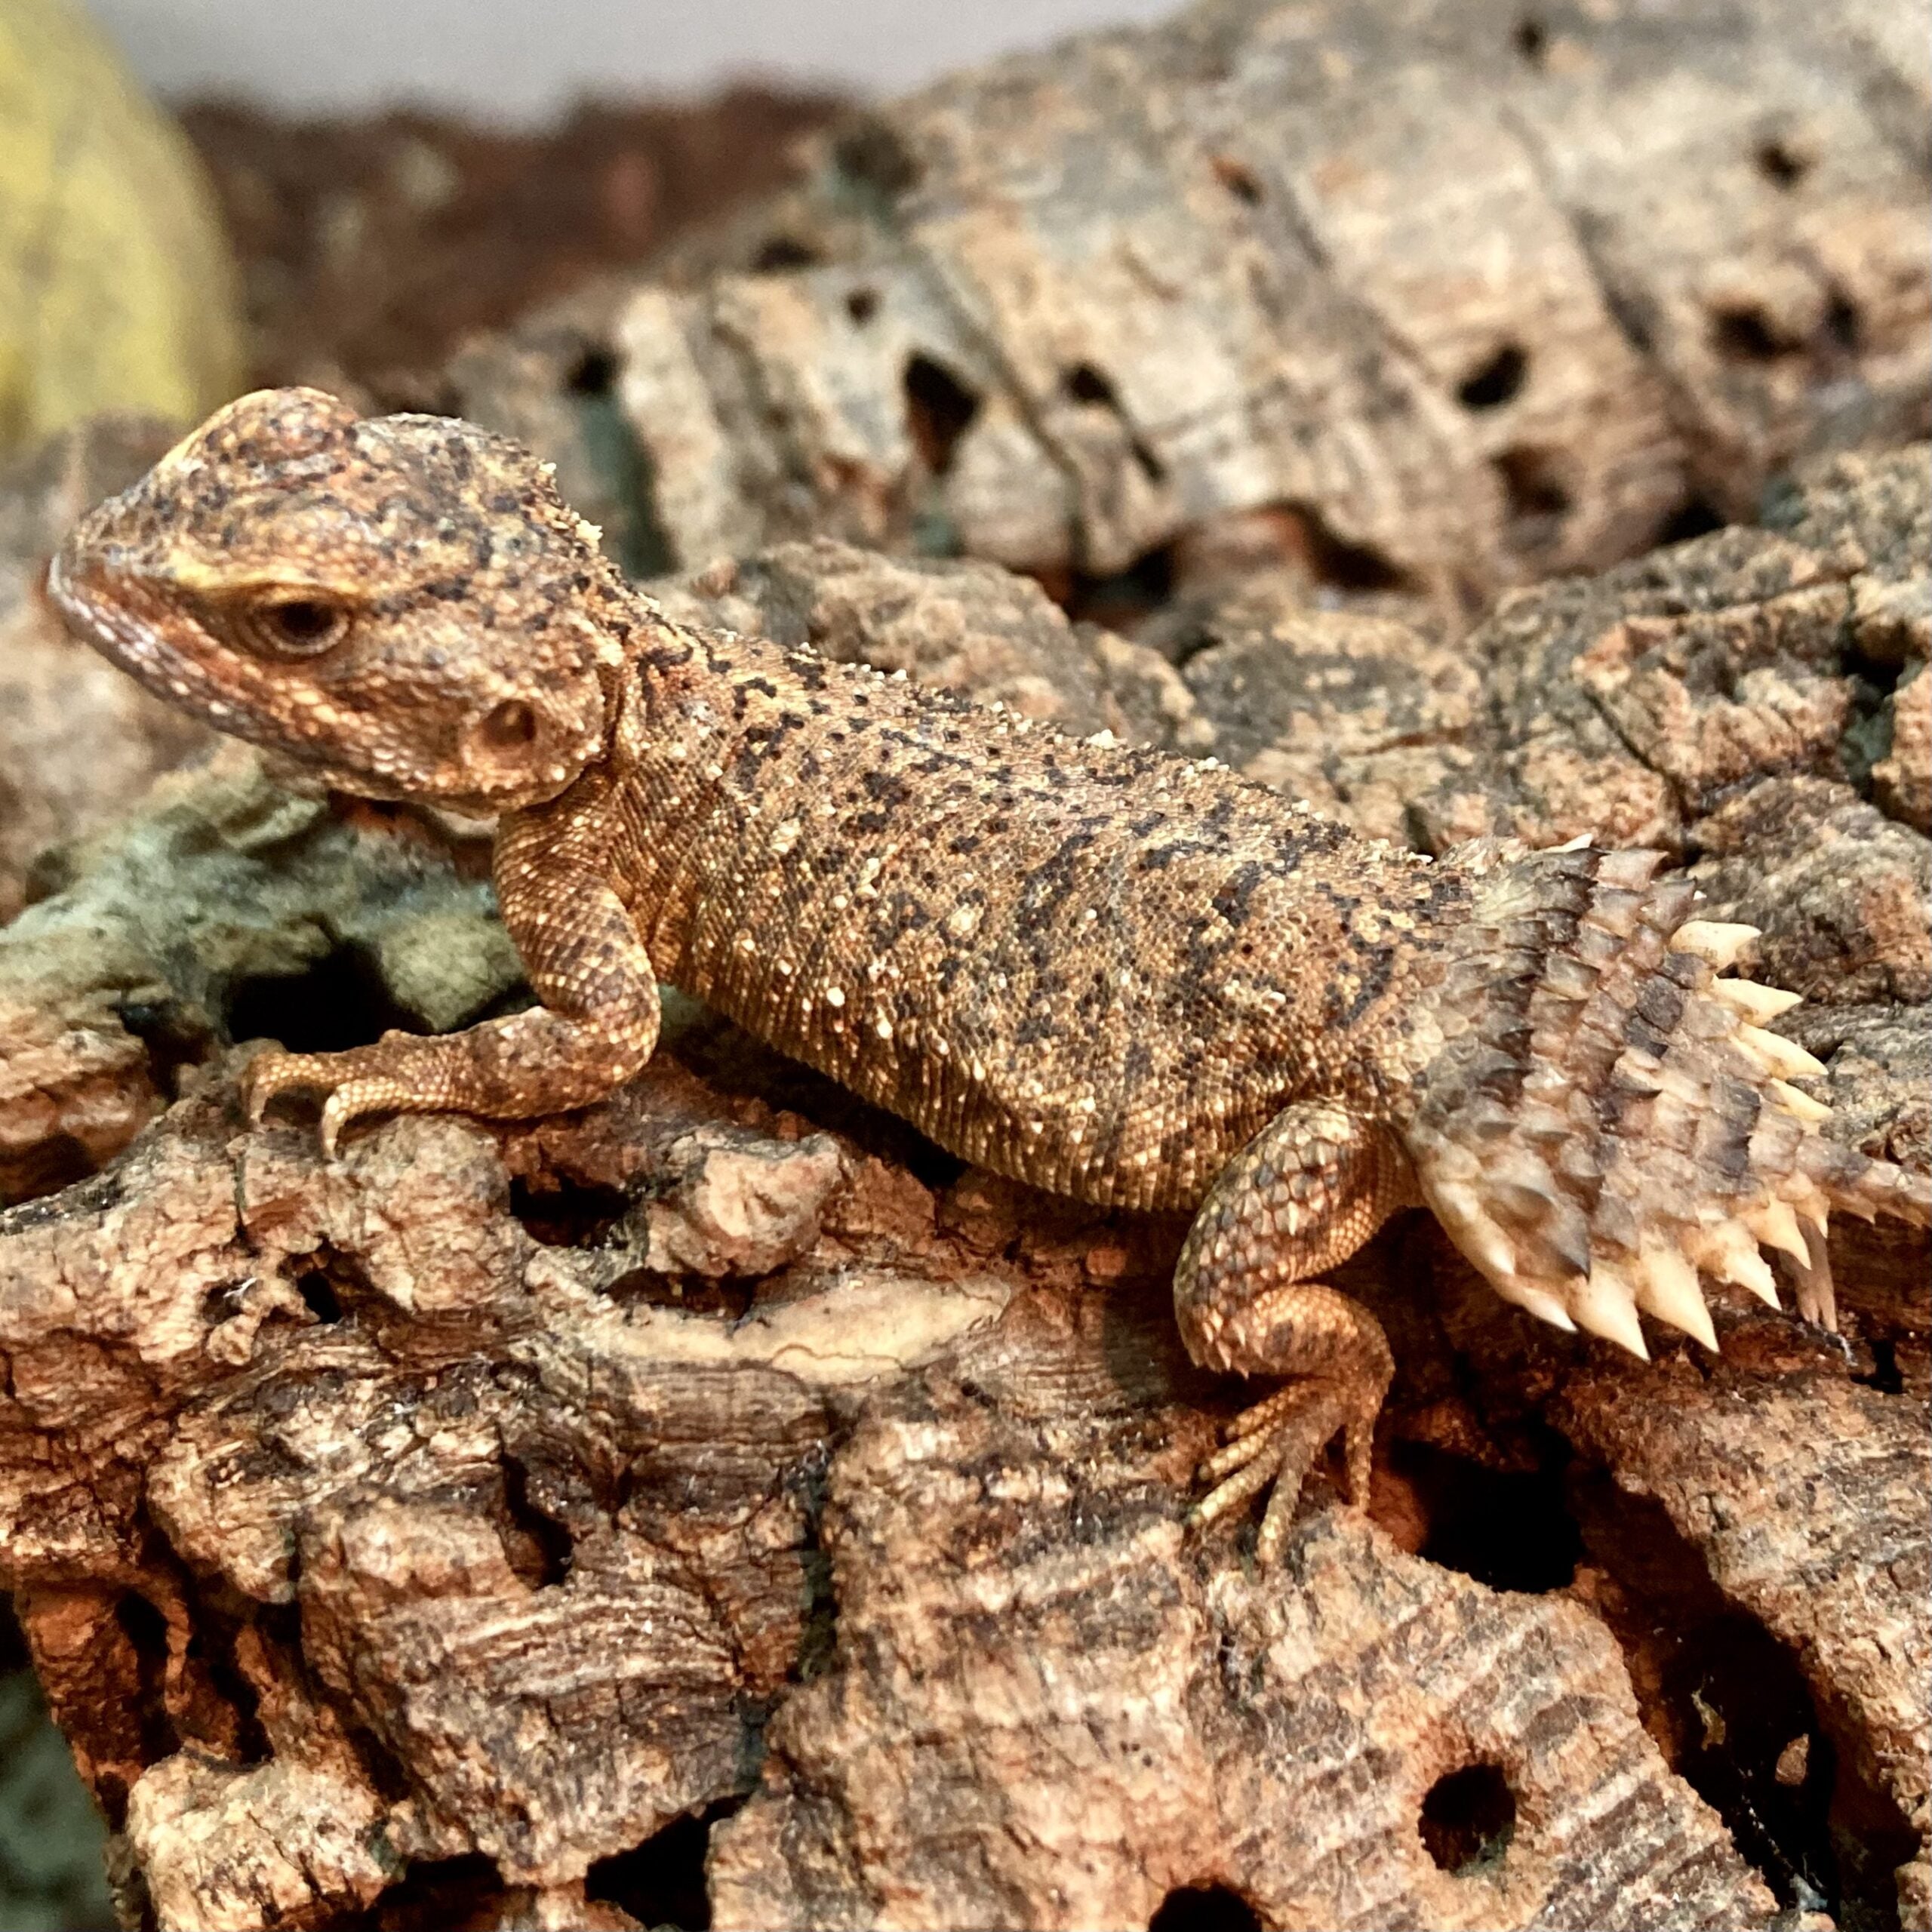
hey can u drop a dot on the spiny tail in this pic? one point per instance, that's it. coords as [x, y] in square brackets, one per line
[1609, 1115]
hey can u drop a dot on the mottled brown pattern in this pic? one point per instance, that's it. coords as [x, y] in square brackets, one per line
[1108, 972]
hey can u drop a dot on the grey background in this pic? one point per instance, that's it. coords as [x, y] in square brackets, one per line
[521, 61]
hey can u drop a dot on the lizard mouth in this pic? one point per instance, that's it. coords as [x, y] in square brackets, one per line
[123, 636]
[106, 624]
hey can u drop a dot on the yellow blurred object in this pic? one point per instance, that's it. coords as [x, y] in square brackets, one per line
[117, 288]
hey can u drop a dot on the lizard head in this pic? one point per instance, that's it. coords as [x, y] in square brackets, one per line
[403, 603]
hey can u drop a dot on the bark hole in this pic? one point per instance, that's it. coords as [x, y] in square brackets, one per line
[437, 1894]
[1885, 1376]
[1204, 1908]
[1843, 324]
[661, 1881]
[174, 1033]
[1694, 517]
[594, 373]
[872, 155]
[1497, 380]
[1743, 333]
[146, 1629]
[318, 1296]
[1084, 384]
[1469, 1818]
[1755, 1753]
[1238, 178]
[1511, 1530]
[862, 305]
[45, 1168]
[338, 1002]
[1120, 599]
[537, 1545]
[1531, 39]
[778, 253]
[1780, 166]
[939, 410]
[1333, 560]
[1537, 498]
[568, 1213]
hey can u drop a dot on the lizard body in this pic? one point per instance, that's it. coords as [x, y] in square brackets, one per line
[1107, 972]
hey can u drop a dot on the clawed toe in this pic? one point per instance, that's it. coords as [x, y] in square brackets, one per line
[1275, 1442]
[348, 1092]
[271, 1075]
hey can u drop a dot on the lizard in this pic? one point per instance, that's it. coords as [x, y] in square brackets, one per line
[1112, 972]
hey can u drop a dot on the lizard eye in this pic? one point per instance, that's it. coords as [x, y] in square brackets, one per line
[297, 627]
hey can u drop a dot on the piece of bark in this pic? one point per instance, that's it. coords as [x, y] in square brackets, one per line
[1443, 299]
[1356, 711]
[445, 1540]
[281, 913]
[1041, 1710]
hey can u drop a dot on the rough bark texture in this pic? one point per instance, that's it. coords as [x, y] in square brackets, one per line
[502, 1521]
[1439, 297]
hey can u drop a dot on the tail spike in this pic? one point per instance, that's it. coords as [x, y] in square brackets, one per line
[1605, 1304]
[1631, 868]
[1540, 1302]
[1460, 1209]
[1807, 1107]
[1713, 939]
[1776, 1226]
[1667, 1288]
[1759, 1004]
[1817, 1299]
[1784, 1058]
[1729, 1254]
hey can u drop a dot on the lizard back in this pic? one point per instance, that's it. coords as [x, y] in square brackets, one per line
[1082, 965]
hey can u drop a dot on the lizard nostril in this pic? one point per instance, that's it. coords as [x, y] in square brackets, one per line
[509, 726]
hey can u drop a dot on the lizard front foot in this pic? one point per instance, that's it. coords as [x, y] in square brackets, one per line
[536, 1062]
[1276, 1443]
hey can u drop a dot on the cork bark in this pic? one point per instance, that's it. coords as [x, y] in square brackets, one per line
[720, 1501]
[1431, 300]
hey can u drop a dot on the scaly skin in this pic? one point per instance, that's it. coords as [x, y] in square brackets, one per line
[1110, 973]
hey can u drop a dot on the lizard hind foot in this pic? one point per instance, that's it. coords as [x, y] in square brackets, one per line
[1273, 1445]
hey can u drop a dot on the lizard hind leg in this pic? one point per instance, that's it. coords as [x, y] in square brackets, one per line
[1308, 1191]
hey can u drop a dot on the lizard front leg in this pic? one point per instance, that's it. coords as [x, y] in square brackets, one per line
[1308, 1191]
[596, 1026]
